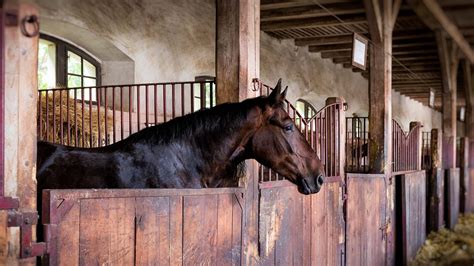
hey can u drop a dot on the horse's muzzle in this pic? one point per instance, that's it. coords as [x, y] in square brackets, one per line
[311, 185]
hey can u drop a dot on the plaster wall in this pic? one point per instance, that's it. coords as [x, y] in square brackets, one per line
[150, 41]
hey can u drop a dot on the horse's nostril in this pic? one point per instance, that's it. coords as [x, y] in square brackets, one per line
[320, 180]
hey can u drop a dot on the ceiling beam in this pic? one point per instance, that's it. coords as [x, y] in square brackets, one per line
[310, 10]
[434, 17]
[312, 22]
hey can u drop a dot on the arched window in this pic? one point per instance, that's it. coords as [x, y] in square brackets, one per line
[60, 64]
[305, 109]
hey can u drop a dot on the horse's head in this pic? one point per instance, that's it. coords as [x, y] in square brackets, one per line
[278, 144]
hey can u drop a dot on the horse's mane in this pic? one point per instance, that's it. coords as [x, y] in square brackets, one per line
[222, 119]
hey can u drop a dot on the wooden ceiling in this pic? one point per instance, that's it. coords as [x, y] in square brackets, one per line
[416, 67]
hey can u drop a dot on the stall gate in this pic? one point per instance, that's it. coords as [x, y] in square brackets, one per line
[184, 226]
[142, 227]
[299, 230]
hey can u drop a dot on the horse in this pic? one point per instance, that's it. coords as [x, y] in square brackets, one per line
[199, 150]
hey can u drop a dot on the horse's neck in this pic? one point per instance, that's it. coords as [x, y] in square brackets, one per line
[222, 158]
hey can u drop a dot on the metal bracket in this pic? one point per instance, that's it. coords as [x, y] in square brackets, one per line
[26, 221]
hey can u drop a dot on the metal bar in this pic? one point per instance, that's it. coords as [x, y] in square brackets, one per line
[82, 131]
[54, 118]
[173, 102]
[99, 135]
[40, 120]
[61, 118]
[138, 108]
[68, 120]
[155, 105]
[90, 118]
[76, 141]
[130, 103]
[182, 100]
[121, 113]
[164, 103]
[105, 118]
[146, 106]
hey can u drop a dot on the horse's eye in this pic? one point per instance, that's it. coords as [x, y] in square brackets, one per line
[289, 128]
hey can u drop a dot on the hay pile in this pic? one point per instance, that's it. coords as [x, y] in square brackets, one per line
[53, 127]
[447, 247]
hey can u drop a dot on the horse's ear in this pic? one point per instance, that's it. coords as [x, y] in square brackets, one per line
[276, 97]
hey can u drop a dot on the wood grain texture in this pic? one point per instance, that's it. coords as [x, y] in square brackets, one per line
[107, 229]
[413, 218]
[366, 210]
[452, 188]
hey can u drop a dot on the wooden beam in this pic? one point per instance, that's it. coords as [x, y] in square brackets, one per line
[341, 60]
[310, 10]
[432, 14]
[448, 61]
[336, 54]
[331, 40]
[331, 47]
[312, 22]
[469, 95]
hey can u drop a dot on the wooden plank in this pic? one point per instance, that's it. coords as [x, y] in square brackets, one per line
[176, 230]
[237, 230]
[471, 189]
[152, 232]
[312, 22]
[366, 243]
[200, 229]
[452, 187]
[224, 229]
[413, 219]
[67, 241]
[107, 231]
[3, 234]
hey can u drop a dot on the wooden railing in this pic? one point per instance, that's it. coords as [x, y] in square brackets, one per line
[102, 115]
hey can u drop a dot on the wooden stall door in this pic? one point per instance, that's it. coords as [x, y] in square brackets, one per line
[296, 229]
[413, 213]
[452, 196]
[144, 227]
[366, 230]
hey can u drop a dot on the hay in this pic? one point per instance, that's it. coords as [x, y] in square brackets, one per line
[51, 129]
[447, 247]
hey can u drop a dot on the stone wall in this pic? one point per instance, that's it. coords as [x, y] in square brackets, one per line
[158, 40]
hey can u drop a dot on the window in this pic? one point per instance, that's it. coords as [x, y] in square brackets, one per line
[61, 64]
[204, 97]
[305, 109]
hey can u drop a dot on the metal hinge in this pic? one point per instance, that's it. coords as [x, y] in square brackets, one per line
[26, 221]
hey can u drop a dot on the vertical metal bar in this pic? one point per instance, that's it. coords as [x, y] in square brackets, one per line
[40, 114]
[121, 112]
[82, 128]
[164, 103]
[99, 135]
[61, 117]
[47, 115]
[138, 107]
[68, 120]
[114, 129]
[155, 105]
[173, 102]
[146, 106]
[203, 96]
[211, 88]
[192, 97]
[76, 137]
[105, 117]
[130, 103]
[54, 117]
[182, 99]
[90, 117]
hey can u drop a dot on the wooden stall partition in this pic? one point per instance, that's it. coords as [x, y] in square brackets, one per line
[367, 226]
[470, 207]
[133, 226]
[464, 174]
[411, 214]
[435, 184]
[452, 196]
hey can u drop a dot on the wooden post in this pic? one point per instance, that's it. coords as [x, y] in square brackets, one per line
[237, 63]
[382, 16]
[414, 124]
[469, 91]
[435, 209]
[465, 179]
[449, 60]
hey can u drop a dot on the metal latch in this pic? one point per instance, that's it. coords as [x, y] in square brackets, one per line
[26, 221]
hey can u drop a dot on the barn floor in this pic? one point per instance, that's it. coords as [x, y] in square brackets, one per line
[447, 247]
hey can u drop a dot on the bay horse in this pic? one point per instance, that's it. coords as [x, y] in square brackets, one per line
[198, 150]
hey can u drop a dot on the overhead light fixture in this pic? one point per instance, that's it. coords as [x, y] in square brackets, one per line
[359, 51]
